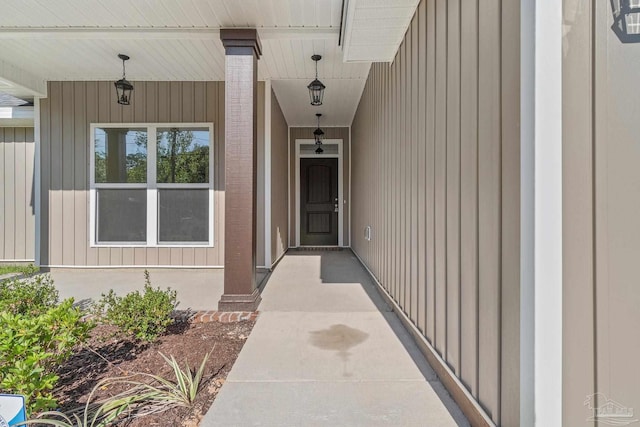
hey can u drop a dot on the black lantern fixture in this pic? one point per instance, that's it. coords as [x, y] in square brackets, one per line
[316, 88]
[319, 150]
[626, 20]
[123, 86]
[318, 133]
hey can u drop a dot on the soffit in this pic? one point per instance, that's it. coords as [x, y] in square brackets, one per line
[373, 29]
[179, 40]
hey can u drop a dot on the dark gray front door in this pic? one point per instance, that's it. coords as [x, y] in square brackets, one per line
[318, 202]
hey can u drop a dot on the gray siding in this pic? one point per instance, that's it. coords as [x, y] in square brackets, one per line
[279, 181]
[65, 118]
[17, 210]
[601, 198]
[329, 133]
[436, 174]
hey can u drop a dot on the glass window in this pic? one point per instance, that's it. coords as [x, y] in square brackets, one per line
[120, 155]
[167, 203]
[121, 215]
[183, 155]
[183, 215]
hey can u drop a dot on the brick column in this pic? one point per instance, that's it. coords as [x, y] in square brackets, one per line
[242, 50]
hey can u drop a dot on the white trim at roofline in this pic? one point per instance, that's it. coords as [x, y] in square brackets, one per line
[339, 156]
[161, 33]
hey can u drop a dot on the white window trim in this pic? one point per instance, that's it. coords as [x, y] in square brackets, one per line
[151, 186]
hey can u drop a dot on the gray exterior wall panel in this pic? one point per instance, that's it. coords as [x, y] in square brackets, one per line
[436, 167]
[17, 209]
[65, 117]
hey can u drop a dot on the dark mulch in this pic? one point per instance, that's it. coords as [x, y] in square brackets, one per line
[106, 356]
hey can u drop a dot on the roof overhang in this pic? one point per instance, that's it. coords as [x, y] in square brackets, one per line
[372, 30]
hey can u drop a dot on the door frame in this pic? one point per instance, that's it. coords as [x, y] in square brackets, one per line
[341, 200]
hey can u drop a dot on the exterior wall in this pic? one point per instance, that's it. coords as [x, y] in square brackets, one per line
[17, 208]
[601, 198]
[436, 174]
[329, 133]
[279, 181]
[65, 117]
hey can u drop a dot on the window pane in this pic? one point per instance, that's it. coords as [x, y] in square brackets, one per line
[184, 215]
[121, 155]
[122, 216]
[183, 155]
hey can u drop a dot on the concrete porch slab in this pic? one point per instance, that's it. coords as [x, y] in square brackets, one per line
[329, 347]
[327, 351]
[353, 404]
[198, 289]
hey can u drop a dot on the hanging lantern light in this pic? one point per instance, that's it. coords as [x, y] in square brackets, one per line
[123, 86]
[316, 88]
[626, 20]
[319, 150]
[318, 133]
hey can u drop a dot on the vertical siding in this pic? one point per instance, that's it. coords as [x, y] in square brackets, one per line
[601, 198]
[17, 214]
[329, 133]
[438, 133]
[65, 118]
[279, 181]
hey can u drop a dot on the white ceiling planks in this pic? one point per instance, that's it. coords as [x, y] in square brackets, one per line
[179, 40]
[170, 13]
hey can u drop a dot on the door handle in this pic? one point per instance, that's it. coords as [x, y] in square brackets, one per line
[336, 208]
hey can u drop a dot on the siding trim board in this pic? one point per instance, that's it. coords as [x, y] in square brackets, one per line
[452, 99]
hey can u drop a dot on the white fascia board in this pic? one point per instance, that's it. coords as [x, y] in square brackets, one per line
[16, 113]
[162, 33]
[18, 82]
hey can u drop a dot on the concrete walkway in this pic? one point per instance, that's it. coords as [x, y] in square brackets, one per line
[327, 351]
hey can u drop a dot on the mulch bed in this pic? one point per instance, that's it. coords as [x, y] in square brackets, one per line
[106, 356]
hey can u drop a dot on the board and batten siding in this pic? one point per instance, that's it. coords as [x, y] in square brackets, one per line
[436, 175]
[17, 207]
[329, 133]
[65, 117]
[279, 181]
[600, 201]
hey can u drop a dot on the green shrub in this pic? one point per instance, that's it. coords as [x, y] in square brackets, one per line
[145, 316]
[32, 347]
[30, 296]
[24, 269]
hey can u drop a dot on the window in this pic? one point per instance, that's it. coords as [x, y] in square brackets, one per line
[151, 185]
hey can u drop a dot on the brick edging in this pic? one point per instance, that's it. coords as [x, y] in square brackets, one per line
[217, 316]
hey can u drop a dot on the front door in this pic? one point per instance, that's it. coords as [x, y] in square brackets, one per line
[319, 202]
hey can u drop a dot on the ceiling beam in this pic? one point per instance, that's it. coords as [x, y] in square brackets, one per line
[19, 82]
[155, 33]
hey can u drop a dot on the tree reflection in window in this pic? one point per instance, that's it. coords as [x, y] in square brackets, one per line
[183, 155]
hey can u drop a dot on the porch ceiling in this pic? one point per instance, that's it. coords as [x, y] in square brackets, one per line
[179, 40]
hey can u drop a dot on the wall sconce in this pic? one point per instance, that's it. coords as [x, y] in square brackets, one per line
[123, 86]
[316, 88]
[626, 20]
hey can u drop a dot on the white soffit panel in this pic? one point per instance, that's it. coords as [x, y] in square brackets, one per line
[373, 29]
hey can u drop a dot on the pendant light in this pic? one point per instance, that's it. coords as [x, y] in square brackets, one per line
[123, 86]
[316, 88]
[318, 133]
